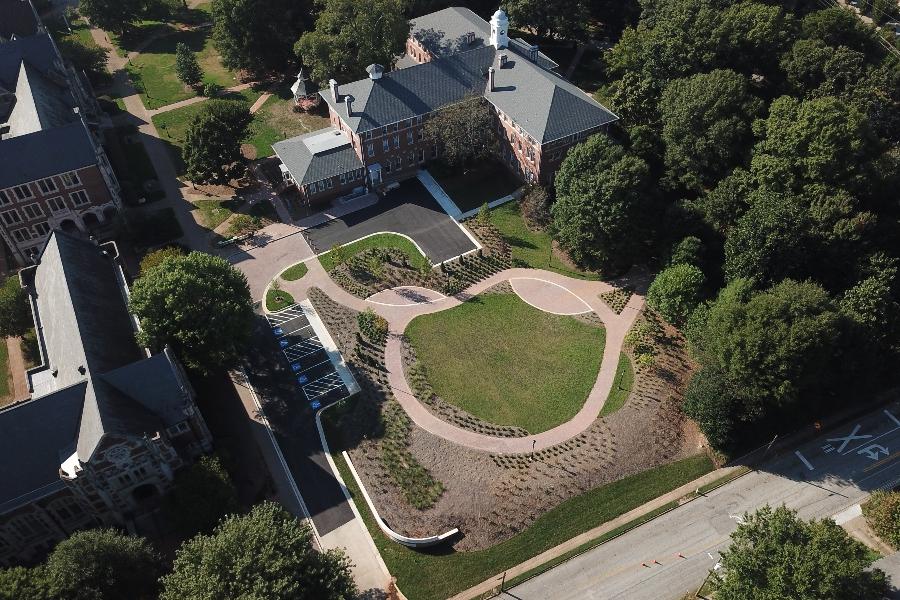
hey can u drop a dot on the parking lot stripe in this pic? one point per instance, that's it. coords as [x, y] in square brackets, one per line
[334, 382]
[313, 367]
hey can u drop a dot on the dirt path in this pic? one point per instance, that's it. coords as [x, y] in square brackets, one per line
[19, 388]
[400, 315]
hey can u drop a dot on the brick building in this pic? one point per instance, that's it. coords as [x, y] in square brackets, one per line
[54, 172]
[107, 424]
[377, 124]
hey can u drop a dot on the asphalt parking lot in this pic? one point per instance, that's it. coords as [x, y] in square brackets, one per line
[410, 210]
[276, 367]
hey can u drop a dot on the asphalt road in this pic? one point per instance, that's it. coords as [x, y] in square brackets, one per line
[410, 210]
[818, 479]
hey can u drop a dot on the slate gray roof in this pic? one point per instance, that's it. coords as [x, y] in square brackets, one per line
[155, 383]
[307, 167]
[34, 432]
[19, 19]
[38, 50]
[444, 32]
[544, 104]
[40, 103]
[60, 149]
[88, 337]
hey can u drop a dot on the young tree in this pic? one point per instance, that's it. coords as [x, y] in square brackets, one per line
[465, 132]
[267, 553]
[535, 207]
[103, 564]
[350, 35]
[882, 513]
[774, 554]
[154, 258]
[601, 202]
[118, 16]
[199, 305]
[202, 496]
[187, 69]
[675, 292]
[257, 35]
[706, 126]
[212, 146]
[15, 313]
[562, 19]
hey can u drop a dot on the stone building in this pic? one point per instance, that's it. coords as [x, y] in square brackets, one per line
[377, 124]
[54, 172]
[107, 424]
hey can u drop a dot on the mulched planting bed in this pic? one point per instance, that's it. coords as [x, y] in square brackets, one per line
[616, 299]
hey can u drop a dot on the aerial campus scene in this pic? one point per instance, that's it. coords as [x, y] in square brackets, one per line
[427, 300]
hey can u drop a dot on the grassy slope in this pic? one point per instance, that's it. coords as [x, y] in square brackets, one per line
[621, 387]
[381, 240]
[508, 362]
[434, 576]
[529, 248]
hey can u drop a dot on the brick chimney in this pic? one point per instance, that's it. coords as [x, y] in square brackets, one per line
[348, 100]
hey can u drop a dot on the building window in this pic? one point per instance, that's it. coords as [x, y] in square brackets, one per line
[422, 155]
[79, 197]
[411, 158]
[22, 235]
[434, 151]
[384, 131]
[384, 144]
[370, 147]
[11, 217]
[387, 167]
[329, 183]
[179, 428]
[343, 178]
[396, 141]
[70, 179]
[5, 197]
[23, 192]
[42, 229]
[421, 133]
[33, 211]
[398, 162]
[409, 136]
[47, 185]
[56, 204]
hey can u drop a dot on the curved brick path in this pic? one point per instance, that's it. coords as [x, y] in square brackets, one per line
[545, 289]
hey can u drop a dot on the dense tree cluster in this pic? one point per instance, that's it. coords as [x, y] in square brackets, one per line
[768, 133]
[212, 146]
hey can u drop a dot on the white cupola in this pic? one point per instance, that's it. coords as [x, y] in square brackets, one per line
[499, 30]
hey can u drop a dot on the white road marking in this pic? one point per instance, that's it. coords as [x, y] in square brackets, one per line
[849, 438]
[803, 459]
[892, 417]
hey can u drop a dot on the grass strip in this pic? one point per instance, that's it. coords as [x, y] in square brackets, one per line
[331, 259]
[621, 387]
[278, 299]
[294, 273]
[440, 572]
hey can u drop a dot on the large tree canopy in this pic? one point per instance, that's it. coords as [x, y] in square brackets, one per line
[774, 554]
[465, 132]
[706, 126]
[559, 19]
[675, 292]
[257, 35]
[199, 305]
[117, 16]
[352, 34]
[15, 312]
[267, 554]
[212, 146]
[602, 203]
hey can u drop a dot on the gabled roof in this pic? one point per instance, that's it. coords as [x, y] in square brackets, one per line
[40, 103]
[544, 104]
[34, 433]
[87, 331]
[61, 149]
[155, 383]
[444, 32]
[38, 50]
[317, 155]
[19, 19]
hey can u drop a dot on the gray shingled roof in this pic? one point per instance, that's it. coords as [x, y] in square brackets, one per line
[306, 166]
[154, 382]
[87, 332]
[444, 32]
[61, 149]
[38, 50]
[34, 433]
[544, 104]
[19, 19]
[40, 103]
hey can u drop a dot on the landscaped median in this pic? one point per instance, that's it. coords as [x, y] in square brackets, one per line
[335, 256]
[438, 575]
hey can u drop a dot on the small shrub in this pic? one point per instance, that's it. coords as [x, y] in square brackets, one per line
[241, 224]
[535, 207]
[484, 214]
[211, 90]
[688, 251]
[882, 513]
[338, 254]
[373, 326]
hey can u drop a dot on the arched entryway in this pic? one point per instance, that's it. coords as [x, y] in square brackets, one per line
[69, 226]
[91, 221]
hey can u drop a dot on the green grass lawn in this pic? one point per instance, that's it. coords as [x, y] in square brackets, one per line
[441, 573]
[294, 273]
[276, 121]
[530, 248]
[132, 163]
[381, 240]
[278, 299]
[5, 377]
[215, 211]
[153, 70]
[621, 387]
[472, 189]
[507, 362]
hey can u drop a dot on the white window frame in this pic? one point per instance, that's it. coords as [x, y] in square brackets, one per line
[370, 148]
[77, 194]
[6, 197]
[22, 235]
[13, 211]
[385, 144]
[71, 179]
[23, 192]
[33, 210]
[42, 225]
[57, 200]
[46, 185]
